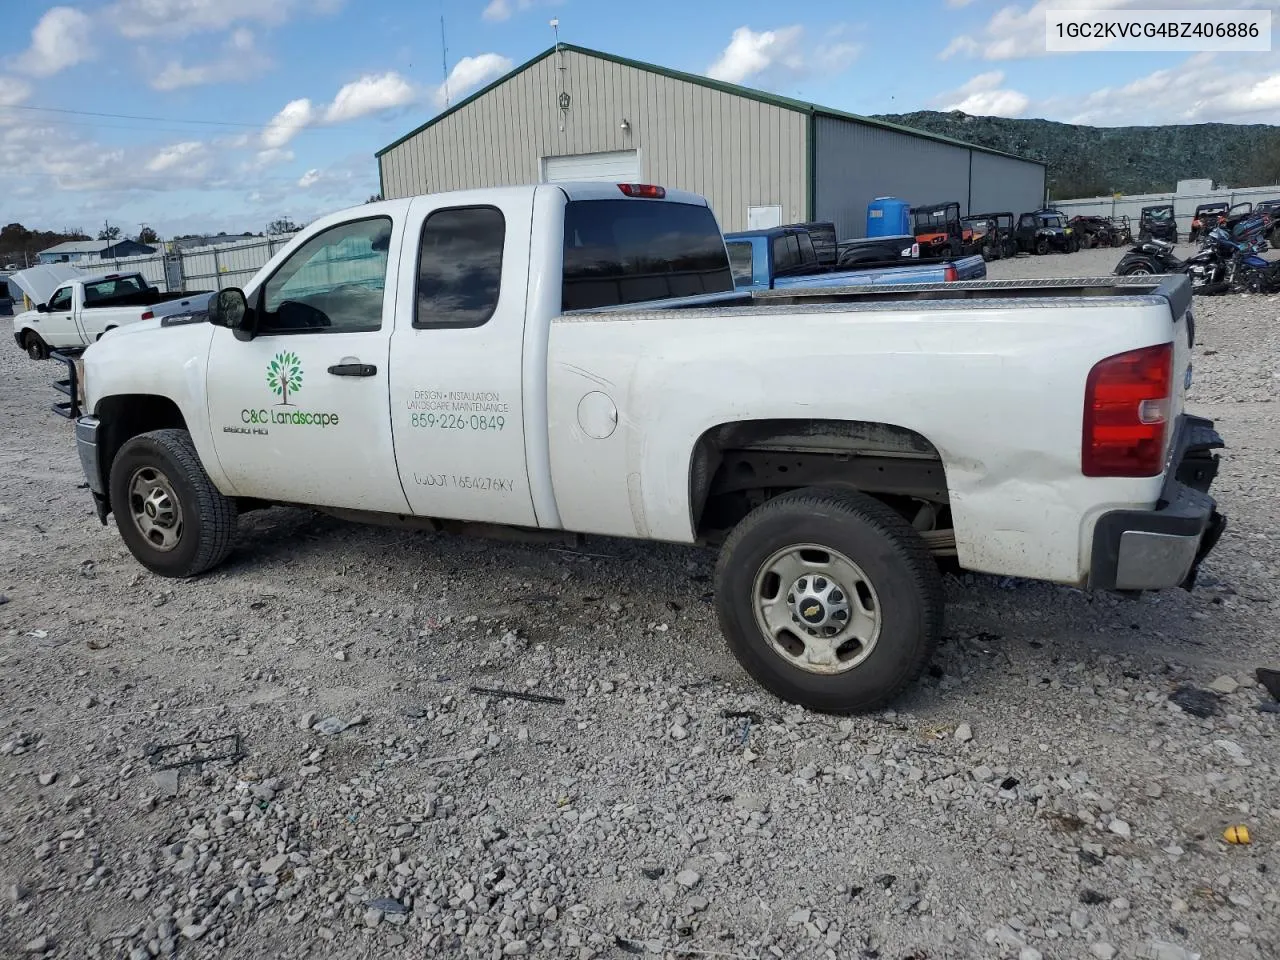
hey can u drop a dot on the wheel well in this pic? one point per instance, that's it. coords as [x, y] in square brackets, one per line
[735, 467]
[125, 416]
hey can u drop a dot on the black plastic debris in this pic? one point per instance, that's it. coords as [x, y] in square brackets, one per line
[1009, 783]
[1267, 677]
[190, 753]
[1092, 898]
[1197, 702]
[653, 873]
[516, 695]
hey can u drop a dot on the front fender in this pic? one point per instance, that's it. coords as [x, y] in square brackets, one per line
[175, 368]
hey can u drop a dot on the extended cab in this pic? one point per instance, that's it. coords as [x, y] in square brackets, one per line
[785, 257]
[81, 310]
[574, 358]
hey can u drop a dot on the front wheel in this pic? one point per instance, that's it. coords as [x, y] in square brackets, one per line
[1042, 247]
[169, 513]
[1137, 270]
[36, 348]
[829, 599]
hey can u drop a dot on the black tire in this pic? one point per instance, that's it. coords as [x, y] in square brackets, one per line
[206, 523]
[906, 585]
[1087, 241]
[35, 346]
[1042, 247]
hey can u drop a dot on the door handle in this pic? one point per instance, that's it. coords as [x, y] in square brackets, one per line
[353, 370]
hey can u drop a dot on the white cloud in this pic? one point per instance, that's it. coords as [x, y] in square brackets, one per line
[308, 178]
[960, 45]
[175, 154]
[782, 51]
[284, 126]
[62, 38]
[470, 73]
[497, 10]
[982, 96]
[180, 18]
[270, 157]
[369, 94]
[241, 61]
[13, 91]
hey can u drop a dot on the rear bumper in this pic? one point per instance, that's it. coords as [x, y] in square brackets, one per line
[1163, 547]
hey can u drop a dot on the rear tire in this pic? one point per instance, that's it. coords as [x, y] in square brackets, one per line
[169, 513]
[36, 348]
[873, 590]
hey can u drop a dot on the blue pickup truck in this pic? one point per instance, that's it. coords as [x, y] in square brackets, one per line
[786, 257]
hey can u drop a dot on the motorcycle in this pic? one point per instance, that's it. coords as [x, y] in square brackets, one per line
[1211, 270]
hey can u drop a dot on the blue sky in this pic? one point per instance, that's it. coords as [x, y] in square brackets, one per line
[230, 113]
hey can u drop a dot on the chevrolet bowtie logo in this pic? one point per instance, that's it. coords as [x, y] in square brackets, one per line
[812, 611]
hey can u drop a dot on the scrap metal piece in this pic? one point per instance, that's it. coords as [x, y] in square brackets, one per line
[192, 753]
[516, 695]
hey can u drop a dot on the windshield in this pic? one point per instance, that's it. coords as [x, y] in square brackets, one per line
[1051, 220]
[1159, 213]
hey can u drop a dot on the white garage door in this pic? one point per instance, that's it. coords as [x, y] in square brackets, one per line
[620, 166]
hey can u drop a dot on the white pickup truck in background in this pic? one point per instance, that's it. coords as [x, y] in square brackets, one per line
[574, 358]
[81, 310]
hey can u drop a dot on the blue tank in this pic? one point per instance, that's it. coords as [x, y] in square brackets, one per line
[888, 217]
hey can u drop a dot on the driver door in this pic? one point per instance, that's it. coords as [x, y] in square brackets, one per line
[300, 413]
[58, 321]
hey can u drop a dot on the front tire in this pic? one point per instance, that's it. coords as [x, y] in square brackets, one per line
[1042, 247]
[829, 599]
[36, 348]
[169, 513]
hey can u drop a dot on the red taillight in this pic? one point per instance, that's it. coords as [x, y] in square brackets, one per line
[645, 190]
[1126, 413]
[950, 274]
[148, 315]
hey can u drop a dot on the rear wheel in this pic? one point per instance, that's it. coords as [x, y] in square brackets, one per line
[169, 513]
[1086, 241]
[1137, 270]
[829, 599]
[36, 348]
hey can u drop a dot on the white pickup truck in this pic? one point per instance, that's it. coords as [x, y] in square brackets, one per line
[83, 309]
[573, 358]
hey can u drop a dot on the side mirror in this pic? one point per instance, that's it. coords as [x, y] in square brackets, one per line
[229, 308]
[42, 308]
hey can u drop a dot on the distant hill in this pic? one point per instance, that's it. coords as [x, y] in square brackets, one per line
[1095, 161]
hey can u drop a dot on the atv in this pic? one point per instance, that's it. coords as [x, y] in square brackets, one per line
[939, 230]
[1158, 223]
[1207, 217]
[1043, 231]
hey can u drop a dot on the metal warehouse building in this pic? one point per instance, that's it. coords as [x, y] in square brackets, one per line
[572, 113]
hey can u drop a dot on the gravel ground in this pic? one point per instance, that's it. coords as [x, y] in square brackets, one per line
[1038, 794]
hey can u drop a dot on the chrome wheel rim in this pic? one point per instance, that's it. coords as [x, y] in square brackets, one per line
[156, 511]
[816, 608]
[1140, 272]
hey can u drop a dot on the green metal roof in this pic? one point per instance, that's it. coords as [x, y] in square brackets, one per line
[749, 93]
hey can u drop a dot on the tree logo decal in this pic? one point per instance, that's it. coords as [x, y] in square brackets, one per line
[284, 376]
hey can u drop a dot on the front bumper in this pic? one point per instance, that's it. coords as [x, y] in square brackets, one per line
[1163, 547]
[88, 433]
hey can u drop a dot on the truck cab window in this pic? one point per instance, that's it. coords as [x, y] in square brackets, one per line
[459, 267]
[333, 283]
[630, 251]
[740, 261]
[61, 300]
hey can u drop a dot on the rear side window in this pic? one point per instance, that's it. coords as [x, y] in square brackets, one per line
[459, 267]
[629, 251]
[740, 261]
[786, 253]
[807, 254]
